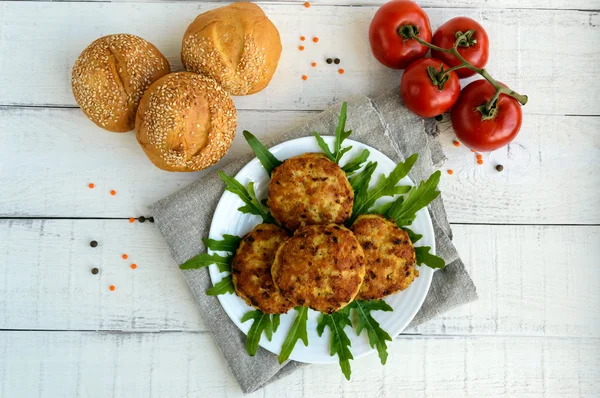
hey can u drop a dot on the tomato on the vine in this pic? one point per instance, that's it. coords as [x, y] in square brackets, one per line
[387, 44]
[427, 89]
[474, 49]
[482, 128]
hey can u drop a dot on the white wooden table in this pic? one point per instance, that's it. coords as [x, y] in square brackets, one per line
[529, 235]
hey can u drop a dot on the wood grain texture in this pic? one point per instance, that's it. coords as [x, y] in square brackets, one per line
[36, 58]
[64, 152]
[590, 5]
[532, 280]
[51, 364]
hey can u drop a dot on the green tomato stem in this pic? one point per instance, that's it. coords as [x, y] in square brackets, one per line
[500, 89]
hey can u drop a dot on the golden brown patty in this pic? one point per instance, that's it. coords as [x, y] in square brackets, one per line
[251, 269]
[321, 267]
[389, 257]
[310, 189]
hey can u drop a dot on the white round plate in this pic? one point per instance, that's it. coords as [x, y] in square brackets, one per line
[227, 220]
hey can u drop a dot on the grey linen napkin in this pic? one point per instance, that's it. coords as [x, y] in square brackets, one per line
[384, 123]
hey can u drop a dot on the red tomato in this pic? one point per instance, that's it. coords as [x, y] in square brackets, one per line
[421, 95]
[387, 44]
[485, 135]
[475, 51]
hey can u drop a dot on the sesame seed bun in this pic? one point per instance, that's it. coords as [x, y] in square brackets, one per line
[237, 45]
[110, 77]
[185, 122]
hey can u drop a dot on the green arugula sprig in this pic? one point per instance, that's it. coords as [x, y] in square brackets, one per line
[247, 195]
[266, 158]
[365, 321]
[431, 260]
[404, 212]
[262, 323]
[340, 135]
[296, 332]
[356, 163]
[339, 343]
[365, 198]
[229, 243]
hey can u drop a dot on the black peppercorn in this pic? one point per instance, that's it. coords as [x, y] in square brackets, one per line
[439, 118]
[93, 243]
[151, 219]
[329, 60]
[499, 167]
[141, 218]
[336, 61]
[95, 271]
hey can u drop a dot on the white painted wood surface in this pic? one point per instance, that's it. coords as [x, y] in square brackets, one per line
[534, 332]
[184, 365]
[513, 267]
[36, 58]
[33, 189]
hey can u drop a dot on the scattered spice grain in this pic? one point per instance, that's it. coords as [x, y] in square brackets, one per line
[301, 48]
[132, 220]
[456, 143]
[133, 266]
[302, 38]
[91, 185]
[479, 161]
[337, 61]
[112, 288]
[329, 60]
[113, 192]
[307, 4]
[450, 171]
[316, 39]
[141, 218]
[124, 256]
[341, 71]
[304, 77]
[93, 243]
[499, 167]
[313, 64]
[95, 271]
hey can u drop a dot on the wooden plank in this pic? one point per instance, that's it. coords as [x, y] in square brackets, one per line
[532, 280]
[504, 4]
[37, 57]
[50, 364]
[52, 155]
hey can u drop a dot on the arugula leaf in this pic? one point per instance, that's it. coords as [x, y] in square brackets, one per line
[262, 323]
[229, 243]
[340, 135]
[275, 320]
[405, 212]
[247, 195]
[205, 259]
[357, 162]
[340, 342]
[377, 336]
[382, 209]
[225, 286]
[414, 237]
[266, 158]
[386, 186]
[430, 260]
[360, 182]
[297, 332]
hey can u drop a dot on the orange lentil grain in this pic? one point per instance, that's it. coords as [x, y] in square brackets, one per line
[91, 185]
[124, 256]
[133, 266]
[479, 156]
[132, 220]
[479, 161]
[307, 4]
[450, 171]
[316, 39]
[112, 288]
[304, 77]
[113, 192]
[301, 48]
[456, 143]
[302, 38]
[341, 71]
[472, 150]
[314, 64]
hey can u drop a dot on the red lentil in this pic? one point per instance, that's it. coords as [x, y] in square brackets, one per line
[91, 185]
[450, 171]
[125, 256]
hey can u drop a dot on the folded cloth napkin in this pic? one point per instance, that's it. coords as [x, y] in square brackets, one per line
[383, 123]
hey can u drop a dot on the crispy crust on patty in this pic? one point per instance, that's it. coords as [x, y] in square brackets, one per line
[251, 269]
[321, 267]
[389, 256]
[310, 189]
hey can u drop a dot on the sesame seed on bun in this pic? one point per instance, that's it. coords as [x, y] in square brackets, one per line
[237, 45]
[110, 77]
[185, 122]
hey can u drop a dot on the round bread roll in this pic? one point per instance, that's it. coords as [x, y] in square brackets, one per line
[236, 45]
[110, 77]
[185, 122]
